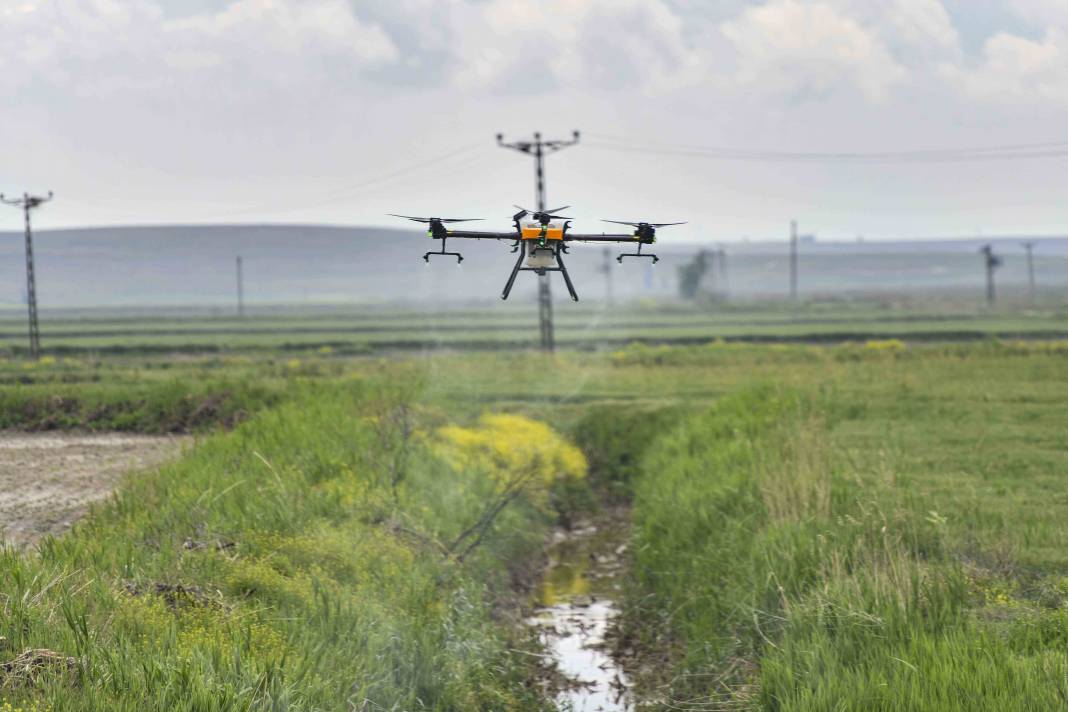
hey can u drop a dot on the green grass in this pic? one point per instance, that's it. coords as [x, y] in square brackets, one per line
[851, 527]
[880, 534]
[278, 567]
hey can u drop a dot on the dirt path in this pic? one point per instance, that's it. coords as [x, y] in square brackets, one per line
[47, 481]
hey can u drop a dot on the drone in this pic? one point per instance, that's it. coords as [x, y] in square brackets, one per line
[541, 239]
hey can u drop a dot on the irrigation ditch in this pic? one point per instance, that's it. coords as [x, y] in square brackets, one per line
[574, 609]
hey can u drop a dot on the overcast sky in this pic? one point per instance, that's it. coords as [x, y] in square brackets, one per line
[322, 111]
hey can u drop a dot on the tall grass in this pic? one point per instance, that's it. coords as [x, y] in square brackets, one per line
[778, 573]
[280, 566]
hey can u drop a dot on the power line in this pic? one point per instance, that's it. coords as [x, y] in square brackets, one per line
[347, 192]
[27, 203]
[941, 155]
[343, 193]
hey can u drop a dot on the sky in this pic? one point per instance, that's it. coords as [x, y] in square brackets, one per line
[873, 119]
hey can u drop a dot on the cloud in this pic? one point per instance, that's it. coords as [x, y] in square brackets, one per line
[101, 47]
[290, 28]
[923, 23]
[1017, 69]
[1041, 13]
[806, 50]
[540, 45]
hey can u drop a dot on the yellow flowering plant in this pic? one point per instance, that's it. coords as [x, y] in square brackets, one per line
[505, 446]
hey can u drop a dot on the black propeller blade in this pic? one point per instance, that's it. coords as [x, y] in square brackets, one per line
[542, 212]
[430, 220]
[542, 216]
[642, 224]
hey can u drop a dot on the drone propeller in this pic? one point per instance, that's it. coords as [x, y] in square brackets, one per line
[433, 220]
[643, 224]
[546, 212]
[542, 216]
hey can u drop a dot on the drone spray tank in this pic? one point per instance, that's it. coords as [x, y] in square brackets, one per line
[542, 233]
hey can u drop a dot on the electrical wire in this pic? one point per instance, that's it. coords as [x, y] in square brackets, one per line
[340, 194]
[949, 155]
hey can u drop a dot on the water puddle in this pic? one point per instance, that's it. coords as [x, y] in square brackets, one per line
[575, 605]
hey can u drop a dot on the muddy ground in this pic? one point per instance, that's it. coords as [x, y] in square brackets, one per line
[47, 481]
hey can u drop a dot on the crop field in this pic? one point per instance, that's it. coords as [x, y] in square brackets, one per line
[877, 524]
[505, 326]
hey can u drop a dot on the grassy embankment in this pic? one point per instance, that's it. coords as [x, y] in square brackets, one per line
[855, 527]
[884, 533]
[346, 549]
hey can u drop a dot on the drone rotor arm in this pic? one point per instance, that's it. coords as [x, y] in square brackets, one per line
[481, 235]
[578, 237]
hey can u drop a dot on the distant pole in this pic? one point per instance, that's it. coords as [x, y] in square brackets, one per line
[992, 262]
[240, 289]
[539, 149]
[27, 203]
[606, 269]
[793, 260]
[1030, 247]
[721, 254]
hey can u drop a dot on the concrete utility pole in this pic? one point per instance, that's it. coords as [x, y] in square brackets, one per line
[27, 203]
[992, 263]
[240, 289]
[1030, 247]
[721, 264]
[793, 260]
[540, 149]
[606, 269]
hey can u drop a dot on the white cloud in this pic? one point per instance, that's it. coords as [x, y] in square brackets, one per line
[542, 44]
[1042, 13]
[809, 49]
[291, 28]
[1017, 69]
[99, 47]
[923, 23]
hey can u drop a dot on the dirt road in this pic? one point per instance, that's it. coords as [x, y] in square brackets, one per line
[47, 481]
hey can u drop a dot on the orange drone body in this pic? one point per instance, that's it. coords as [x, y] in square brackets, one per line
[534, 231]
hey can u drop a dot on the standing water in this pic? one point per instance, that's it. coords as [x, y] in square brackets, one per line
[575, 607]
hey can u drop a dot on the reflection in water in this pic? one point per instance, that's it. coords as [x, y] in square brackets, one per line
[574, 611]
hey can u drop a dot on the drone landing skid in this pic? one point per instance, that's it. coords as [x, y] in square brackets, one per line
[561, 268]
[650, 255]
[457, 255]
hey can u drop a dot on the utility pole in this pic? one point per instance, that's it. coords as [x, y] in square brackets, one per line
[992, 263]
[540, 149]
[606, 269]
[721, 263]
[793, 260]
[27, 203]
[1030, 247]
[240, 290]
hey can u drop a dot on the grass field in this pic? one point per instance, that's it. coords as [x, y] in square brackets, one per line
[506, 326]
[869, 525]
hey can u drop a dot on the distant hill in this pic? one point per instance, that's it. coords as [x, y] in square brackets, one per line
[305, 265]
[195, 265]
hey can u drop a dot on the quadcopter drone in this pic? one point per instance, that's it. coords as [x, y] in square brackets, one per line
[541, 238]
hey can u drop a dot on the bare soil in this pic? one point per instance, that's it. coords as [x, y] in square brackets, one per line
[47, 482]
